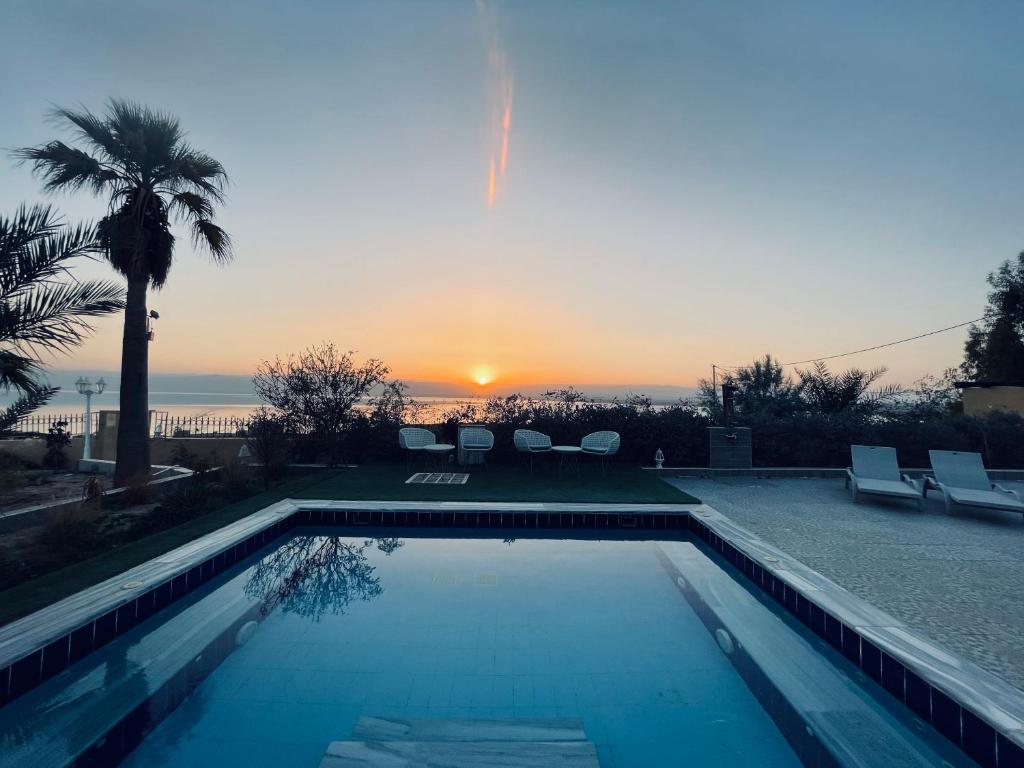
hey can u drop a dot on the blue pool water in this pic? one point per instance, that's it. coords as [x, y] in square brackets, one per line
[474, 628]
[655, 646]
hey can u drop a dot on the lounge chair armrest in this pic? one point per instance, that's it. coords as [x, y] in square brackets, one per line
[931, 483]
[849, 476]
[1004, 489]
[912, 482]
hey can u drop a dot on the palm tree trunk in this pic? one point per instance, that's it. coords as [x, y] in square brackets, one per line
[133, 427]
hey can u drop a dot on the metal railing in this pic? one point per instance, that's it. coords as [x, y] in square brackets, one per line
[39, 424]
[162, 424]
[166, 425]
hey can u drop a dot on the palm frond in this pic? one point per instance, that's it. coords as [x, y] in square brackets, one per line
[25, 405]
[63, 167]
[191, 205]
[207, 234]
[149, 137]
[93, 129]
[34, 249]
[26, 225]
[18, 371]
[192, 170]
[54, 317]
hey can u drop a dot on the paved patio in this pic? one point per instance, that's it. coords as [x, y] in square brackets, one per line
[959, 578]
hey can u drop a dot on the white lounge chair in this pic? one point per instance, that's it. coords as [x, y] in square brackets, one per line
[601, 444]
[876, 471]
[961, 478]
[475, 440]
[529, 441]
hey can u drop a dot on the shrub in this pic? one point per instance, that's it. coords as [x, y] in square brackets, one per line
[182, 503]
[137, 491]
[11, 480]
[13, 462]
[269, 442]
[73, 530]
[236, 480]
[57, 442]
[181, 456]
[92, 492]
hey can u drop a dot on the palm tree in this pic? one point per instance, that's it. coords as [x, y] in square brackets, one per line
[140, 161]
[828, 392]
[39, 311]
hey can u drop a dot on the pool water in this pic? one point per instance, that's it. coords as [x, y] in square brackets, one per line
[471, 628]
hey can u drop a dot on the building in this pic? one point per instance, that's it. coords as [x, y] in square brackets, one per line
[981, 397]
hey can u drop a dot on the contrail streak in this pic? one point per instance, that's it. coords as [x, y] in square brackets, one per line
[500, 88]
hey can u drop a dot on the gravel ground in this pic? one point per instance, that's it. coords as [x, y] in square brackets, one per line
[959, 578]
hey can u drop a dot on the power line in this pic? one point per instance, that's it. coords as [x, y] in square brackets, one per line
[865, 349]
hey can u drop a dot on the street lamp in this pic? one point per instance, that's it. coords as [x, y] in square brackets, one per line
[87, 388]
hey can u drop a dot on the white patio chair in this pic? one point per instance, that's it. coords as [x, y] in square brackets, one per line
[529, 441]
[476, 440]
[876, 472]
[414, 440]
[961, 478]
[601, 444]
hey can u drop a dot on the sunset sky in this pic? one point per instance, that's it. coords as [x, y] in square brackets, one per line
[558, 191]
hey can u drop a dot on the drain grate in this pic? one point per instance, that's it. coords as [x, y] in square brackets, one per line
[438, 478]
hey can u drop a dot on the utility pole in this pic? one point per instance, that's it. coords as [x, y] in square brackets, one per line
[714, 390]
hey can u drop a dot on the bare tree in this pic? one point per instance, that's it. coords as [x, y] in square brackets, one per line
[316, 391]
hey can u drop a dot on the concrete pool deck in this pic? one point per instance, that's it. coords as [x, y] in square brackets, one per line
[957, 578]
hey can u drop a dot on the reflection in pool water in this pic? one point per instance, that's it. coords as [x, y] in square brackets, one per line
[314, 575]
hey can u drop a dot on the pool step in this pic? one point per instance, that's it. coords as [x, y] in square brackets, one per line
[463, 743]
[469, 729]
[460, 754]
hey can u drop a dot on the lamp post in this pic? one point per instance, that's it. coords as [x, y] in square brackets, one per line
[87, 388]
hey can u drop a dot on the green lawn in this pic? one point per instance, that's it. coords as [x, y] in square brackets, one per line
[48, 588]
[381, 482]
[386, 482]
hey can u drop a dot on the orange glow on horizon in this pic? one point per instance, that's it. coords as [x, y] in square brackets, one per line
[482, 375]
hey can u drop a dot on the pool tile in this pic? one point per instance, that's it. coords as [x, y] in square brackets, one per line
[871, 660]
[979, 739]
[851, 645]
[56, 657]
[893, 674]
[1011, 755]
[918, 696]
[946, 716]
[106, 629]
[25, 674]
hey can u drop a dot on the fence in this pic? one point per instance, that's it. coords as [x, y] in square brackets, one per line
[166, 425]
[162, 425]
[39, 424]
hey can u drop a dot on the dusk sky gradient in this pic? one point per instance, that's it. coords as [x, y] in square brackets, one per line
[685, 182]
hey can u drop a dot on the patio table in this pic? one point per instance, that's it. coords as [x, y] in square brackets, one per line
[572, 452]
[440, 450]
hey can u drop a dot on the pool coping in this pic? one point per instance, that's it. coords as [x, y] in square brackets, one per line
[978, 711]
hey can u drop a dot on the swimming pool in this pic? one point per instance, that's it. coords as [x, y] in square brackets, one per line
[654, 645]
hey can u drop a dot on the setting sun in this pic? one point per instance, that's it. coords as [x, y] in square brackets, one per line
[483, 375]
